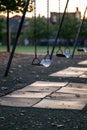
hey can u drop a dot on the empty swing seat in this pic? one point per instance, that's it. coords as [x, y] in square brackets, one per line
[82, 49]
[64, 54]
[67, 54]
[45, 62]
[36, 61]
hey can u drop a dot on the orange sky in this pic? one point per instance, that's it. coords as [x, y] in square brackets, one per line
[54, 6]
[41, 6]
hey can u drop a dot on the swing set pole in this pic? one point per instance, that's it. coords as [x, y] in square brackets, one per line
[79, 30]
[58, 33]
[48, 26]
[16, 39]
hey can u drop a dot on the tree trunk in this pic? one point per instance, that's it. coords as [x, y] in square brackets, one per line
[8, 33]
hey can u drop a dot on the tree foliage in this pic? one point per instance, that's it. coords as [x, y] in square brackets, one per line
[39, 29]
[12, 5]
[70, 27]
[68, 31]
[1, 28]
[83, 33]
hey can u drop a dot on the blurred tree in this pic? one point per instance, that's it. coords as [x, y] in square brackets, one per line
[1, 28]
[11, 6]
[38, 30]
[70, 27]
[83, 33]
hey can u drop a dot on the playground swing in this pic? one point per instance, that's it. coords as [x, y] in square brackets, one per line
[49, 61]
[83, 49]
[77, 36]
[46, 60]
[18, 34]
[67, 51]
[36, 60]
[63, 52]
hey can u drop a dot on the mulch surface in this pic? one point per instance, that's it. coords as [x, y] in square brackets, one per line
[23, 73]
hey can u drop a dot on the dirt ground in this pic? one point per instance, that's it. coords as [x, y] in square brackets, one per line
[23, 73]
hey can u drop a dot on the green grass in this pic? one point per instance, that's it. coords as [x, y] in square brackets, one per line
[40, 49]
[2, 48]
[27, 48]
[31, 49]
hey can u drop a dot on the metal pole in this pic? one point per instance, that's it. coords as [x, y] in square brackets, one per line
[35, 41]
[16, 39]
[48, 26]
[58, 33]
[59, 11]
[79, 30]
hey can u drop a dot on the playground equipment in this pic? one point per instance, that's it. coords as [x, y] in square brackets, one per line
[84, 49]
[36, 60]
[77, 36]
[48, 58]
[16, 39]
[45, 60]
[63, 51]
[58, 33]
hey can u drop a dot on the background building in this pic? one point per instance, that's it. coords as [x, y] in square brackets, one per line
[54, 16]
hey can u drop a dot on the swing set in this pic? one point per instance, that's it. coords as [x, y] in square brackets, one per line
[63, 51]
[47, 60]
[77, 36]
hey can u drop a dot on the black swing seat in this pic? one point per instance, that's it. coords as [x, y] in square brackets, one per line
[60, 55]
[36, 62]
[64, 54]
[82, 49]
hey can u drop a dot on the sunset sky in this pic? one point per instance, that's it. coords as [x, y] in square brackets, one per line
[41, 6]
[54, 6]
